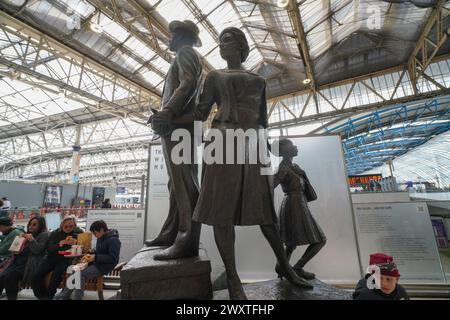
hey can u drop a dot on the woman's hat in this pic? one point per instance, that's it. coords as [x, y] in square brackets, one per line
[189, 26]
[385, 263]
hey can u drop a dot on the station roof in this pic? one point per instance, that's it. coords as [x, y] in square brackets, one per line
[87, 72]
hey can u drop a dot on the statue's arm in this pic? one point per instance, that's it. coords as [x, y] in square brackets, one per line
[189, 69]
[207, 98]
[276, 181]
[279, 177]
[263, 116]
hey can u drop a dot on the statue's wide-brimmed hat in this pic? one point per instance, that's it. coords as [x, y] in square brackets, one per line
[187, 25]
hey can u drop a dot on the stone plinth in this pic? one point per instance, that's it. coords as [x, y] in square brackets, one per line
[144, 278]
[283, 290]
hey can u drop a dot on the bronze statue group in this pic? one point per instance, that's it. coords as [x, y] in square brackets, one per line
[230, 194]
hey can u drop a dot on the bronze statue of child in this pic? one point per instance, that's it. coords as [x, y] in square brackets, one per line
[297, 226]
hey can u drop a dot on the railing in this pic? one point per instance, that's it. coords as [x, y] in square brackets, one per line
[26, 214]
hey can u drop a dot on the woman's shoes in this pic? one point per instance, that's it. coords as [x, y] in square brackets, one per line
[292, 277]
[304, 274]
[235, 289]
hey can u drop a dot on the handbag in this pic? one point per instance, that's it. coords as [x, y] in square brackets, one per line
[5, 264]
[310, 193]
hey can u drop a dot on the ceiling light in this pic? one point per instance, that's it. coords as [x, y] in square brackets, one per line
[282, 3]
[96, 27]
[13, 74]
[306, 81]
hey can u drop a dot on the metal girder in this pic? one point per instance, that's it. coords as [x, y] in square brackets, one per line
[431, 40]
[69, 42]
[49, 155]
[201, 17]
[81, 79]
[436, 109]
[115, 14]
[252, 25]
[151, 22]
[94, 138]
[401, 93]
[59, 166]
[302, 43]
[241, 19]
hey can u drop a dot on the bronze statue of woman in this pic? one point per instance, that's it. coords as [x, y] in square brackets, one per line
[298, 227]
[238, 194]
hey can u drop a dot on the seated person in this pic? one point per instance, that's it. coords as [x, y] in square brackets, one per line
[389, 288]
[106, 203]
[9, 234]
[106, 257]
[23, 264]
[61, 239]
[3, 212]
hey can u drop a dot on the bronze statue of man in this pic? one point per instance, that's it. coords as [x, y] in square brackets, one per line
[182, 87]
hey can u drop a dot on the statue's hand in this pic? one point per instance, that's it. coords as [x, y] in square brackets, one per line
[161, 122]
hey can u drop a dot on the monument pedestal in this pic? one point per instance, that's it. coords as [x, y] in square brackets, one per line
[144, 278]
[283, 290]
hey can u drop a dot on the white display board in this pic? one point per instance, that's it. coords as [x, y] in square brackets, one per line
[322, 159]
[129, 223]
[404, 231]
[158, 195]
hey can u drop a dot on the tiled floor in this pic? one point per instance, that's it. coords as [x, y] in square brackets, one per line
[88, 295]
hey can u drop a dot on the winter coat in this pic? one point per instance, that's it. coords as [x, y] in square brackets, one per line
[53, 243]
[7, 242]
[107, 251]
[37, 252]
[364, 293]
[27, 261]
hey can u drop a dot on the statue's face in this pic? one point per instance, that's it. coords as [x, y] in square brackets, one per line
[175, 40]
[229, 46]
[290, 149]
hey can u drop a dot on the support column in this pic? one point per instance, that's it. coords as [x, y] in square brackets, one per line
[76, 157]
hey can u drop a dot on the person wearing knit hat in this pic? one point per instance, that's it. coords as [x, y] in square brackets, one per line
[384, 271]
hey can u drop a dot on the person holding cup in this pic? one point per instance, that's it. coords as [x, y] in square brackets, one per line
[106, 257]
[61, 239]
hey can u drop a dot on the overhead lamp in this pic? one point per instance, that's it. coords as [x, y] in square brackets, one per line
[95, 27]
[306, 81]
[13, 74]
[282, 3]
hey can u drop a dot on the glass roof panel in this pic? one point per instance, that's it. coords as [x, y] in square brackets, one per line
[140, 48]
[82, 7]
[111, 28]
[174, 10]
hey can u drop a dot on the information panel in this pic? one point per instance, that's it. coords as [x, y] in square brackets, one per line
[129, 223]
[404, 231]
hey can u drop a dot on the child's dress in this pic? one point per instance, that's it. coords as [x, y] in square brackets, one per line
[298, 227]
